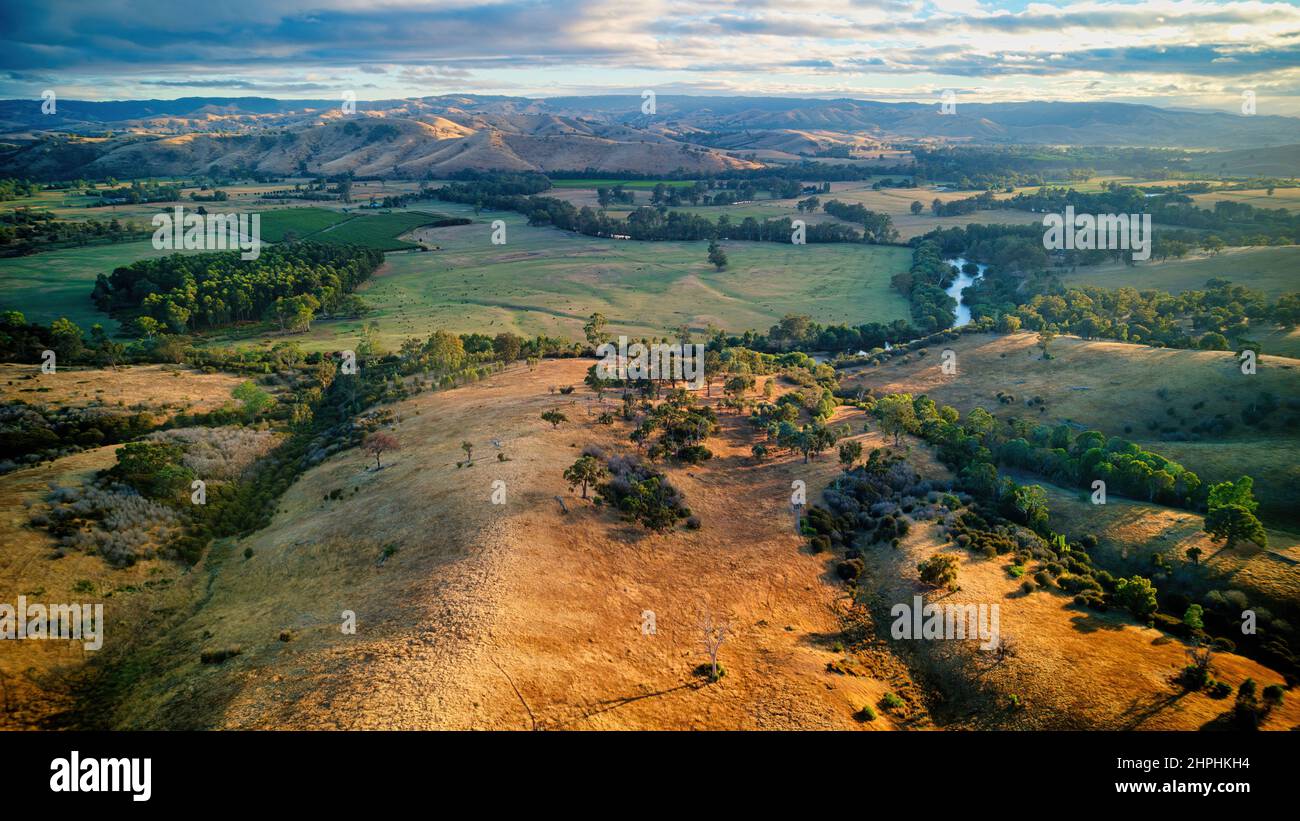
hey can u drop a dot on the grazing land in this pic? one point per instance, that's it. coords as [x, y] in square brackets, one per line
[1147, 395]
[1271, 270]
[548, 281]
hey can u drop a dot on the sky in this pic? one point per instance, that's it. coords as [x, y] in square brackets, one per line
[1171, 53]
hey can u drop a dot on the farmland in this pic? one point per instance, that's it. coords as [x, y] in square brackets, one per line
[1272, 270]
[547, 281]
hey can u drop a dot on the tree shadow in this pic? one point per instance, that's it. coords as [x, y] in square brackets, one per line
[1141, 710]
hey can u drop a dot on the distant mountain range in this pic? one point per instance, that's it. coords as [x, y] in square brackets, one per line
[438, 135]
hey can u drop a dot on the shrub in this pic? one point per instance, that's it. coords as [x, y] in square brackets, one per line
[849, 569]
[218, 656]
[1218, 690]
[867, 713]
[890, 701]
[940, 570]
[1091, 599]
[1273, 695]
[694, 454]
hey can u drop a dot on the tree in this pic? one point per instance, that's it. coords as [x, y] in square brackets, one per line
[1231, 513]
[1240, 492]
[594, 329]
[717, 256]
[153, 468]
[148, 326]
[896, 414]
[917, 206]
[68, 340]
[1235, 523]
[586, 471]
[736, 386]
[1194, 617]
[555, 418]
[1138, 595]
[468, 447]
[378, 443]
[1045, 337]
[1030, 501]
[714, 631]
[850, 452]
[254, 398]
[507, 346]
[1194, 553]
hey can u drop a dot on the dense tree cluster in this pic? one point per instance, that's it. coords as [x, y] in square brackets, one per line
[187, 292]
[877, 227]
[12, 189]
[923, 285]
[642, 494]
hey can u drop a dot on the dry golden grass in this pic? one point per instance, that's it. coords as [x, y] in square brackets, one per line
[1130, 533]
[151, 387]
[37, 674]
[479, 599]
[474, 615]
[1072, 668]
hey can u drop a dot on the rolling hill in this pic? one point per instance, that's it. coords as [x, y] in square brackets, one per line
[436, 136]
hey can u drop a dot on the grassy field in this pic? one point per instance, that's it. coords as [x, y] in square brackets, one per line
[1288, 198]
[58, 283]
[1113, 387]
[466, 583]
[1273, 270]
[548, 281]
[302, 222]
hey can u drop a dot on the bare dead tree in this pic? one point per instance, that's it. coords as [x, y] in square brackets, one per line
[714, 630]
[1201, 656]
[1004, 651]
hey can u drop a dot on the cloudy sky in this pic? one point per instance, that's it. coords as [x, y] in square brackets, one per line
[1187, 53]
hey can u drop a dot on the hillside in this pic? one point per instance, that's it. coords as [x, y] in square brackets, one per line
[374, 145]
[441, 135]
[472, 614]
[473, 598]
[1155, 397]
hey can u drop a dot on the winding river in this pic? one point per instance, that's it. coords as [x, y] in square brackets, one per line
[961, 283]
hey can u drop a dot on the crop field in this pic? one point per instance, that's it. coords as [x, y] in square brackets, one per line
[380, 231]
[544, 281]
[302, 222]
